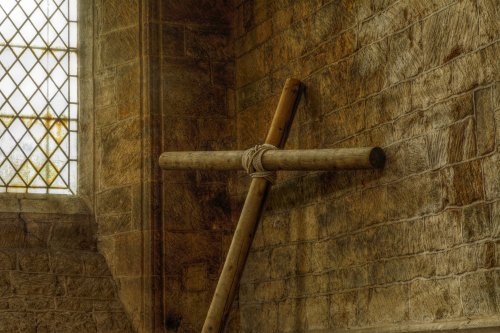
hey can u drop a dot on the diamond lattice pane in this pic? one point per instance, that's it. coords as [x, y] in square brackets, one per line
[38, 96]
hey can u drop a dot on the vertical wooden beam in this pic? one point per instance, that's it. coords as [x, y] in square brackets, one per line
[250, 215]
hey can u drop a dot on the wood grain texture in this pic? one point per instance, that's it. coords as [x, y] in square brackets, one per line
[275, 160]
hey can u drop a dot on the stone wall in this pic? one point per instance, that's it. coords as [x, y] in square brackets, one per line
[52, 279]
[197, 97]
[414, 247]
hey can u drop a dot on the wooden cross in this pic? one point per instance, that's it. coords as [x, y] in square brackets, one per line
[315, 159]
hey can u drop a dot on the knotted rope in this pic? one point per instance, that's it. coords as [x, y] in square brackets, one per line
[252, 162]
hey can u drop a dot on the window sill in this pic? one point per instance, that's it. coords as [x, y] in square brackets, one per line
[42, 203]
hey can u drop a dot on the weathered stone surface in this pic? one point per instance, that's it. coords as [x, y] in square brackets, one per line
[116, 14]
[434, 299]
[491, 169]
[442, 45]
[489, 18]
[120, 166]
[415, 195]
[463, 183]
[375, 301]
[112, 322]
[485, 121]
[405, 58]
[479, 293]
[90, 287]
[114, 201]
[34, 261]
[118, 47]
[37, 284]
[435, 232]
[200, 12]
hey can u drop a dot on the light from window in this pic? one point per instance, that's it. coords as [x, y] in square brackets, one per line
[38, 96]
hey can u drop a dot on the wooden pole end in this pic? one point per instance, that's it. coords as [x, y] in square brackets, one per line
[377, 158]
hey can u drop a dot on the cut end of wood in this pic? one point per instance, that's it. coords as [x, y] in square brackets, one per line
[377, 158]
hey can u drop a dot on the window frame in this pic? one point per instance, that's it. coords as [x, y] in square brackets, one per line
[84, 195]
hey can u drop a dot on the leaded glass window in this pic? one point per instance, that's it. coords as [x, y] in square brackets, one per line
[38, 96]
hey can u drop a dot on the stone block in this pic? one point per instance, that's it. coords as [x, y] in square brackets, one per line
[374, 303]
[388, 105]
[195, 277]
[495, 218]
[73, 235]
[307, 285]
[196, 100]
[271, 291]
[348, 278]
[463, 183]
[415, 196]
[5, 285]
[339, 85]
[173, 40]
[128, 253]
[116, 14]
[12, 235]
[120, 155]
[112, 322]
[477, 223]
[90, 287]
[66, 262]
[441, 45]
[344, 123]
[283, 261]
[254, 65]
[465, 259]
[7, 260]
[453, 144]
[275, 228]
[436, 232]
[292, 315]
[74, 304]
[185, 248]
[489, 18]
[197, 12]
[37, 284]
[95, 264]
[259, 318]
[114, 201]
[343, 309]
[114, 224]
[257, 266]
[34, 261]
[432, 300]
[485, 120]
[17, 321]
[407, 158]
[370, 64]
[491, 170]
[407, 268]
[303, 224]
[331, 51]
[474, 69]
[105, 89]
[431, 87]
[118, 47]
[479, 293]
[128, 87]
[212, 43]
[55, 321]
[317, 312]
[405, 58]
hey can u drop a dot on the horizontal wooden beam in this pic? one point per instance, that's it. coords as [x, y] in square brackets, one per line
[272, 160]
